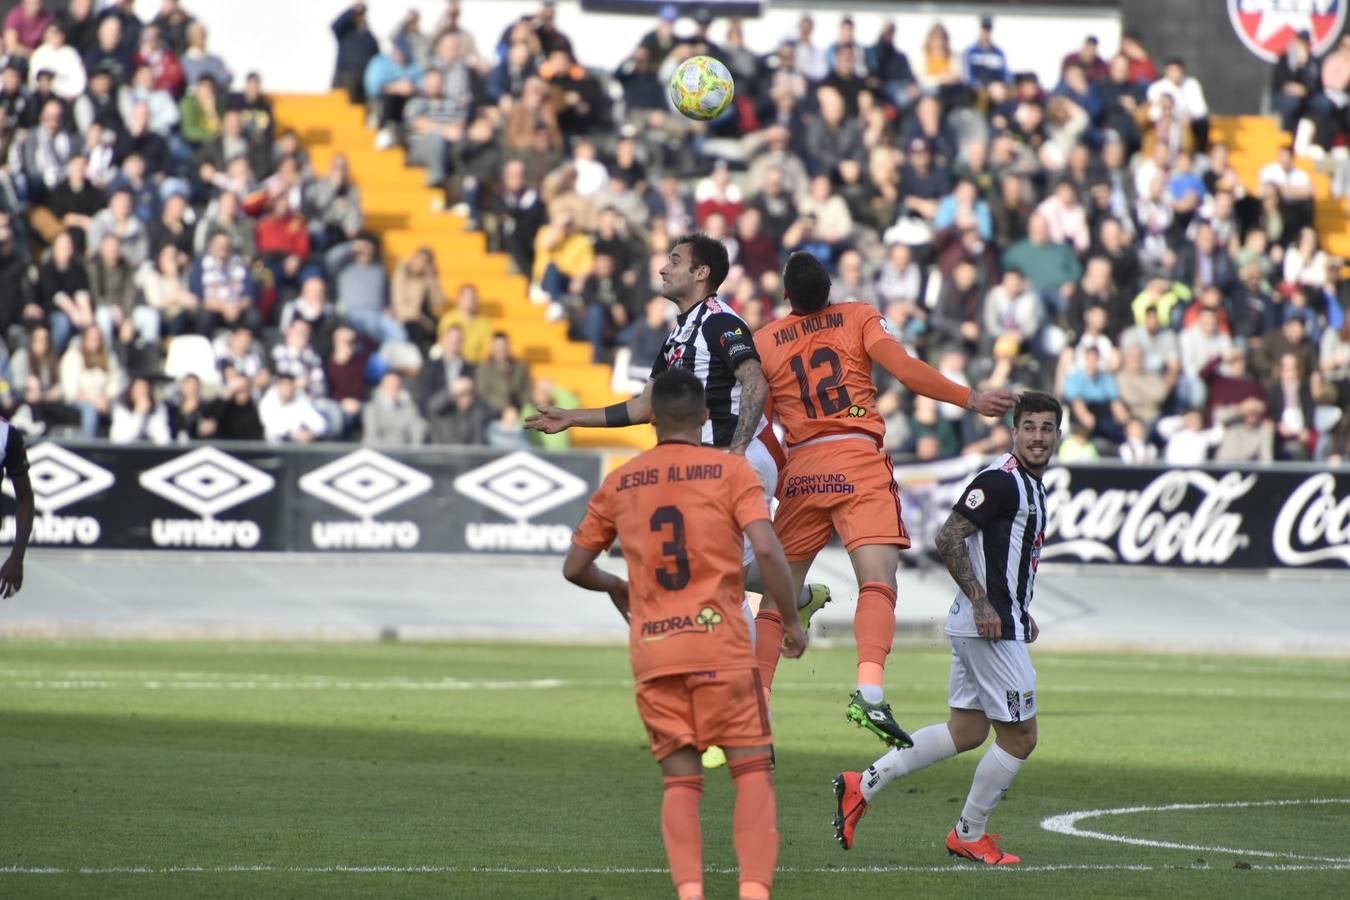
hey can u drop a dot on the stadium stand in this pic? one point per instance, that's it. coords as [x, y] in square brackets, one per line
[482, 215]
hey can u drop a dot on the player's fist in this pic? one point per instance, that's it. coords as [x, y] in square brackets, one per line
[11, 577]
[992, 403]
[549, 420]
[1034, 632]
[794, 640]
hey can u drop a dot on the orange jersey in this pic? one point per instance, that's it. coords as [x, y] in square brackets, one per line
[681, 510]
[819, 368]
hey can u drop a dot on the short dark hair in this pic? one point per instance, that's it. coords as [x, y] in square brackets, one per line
[806, 283]
[1037, 402]
[710, 252]
[677, 399]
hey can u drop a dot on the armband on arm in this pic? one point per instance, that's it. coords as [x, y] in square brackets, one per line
[616, 416]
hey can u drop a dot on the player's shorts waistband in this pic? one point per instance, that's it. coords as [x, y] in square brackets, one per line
[829, 438]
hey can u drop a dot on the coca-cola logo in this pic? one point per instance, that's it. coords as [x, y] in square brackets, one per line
[1313, 525]
[1158, 523]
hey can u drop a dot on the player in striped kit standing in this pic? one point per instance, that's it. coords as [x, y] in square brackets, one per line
[991, 545]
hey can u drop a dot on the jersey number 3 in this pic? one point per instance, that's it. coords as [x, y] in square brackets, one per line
[677, 577]
[832, 395]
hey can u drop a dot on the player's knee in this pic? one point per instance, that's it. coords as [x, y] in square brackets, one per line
[1020, 742]
[967, 735]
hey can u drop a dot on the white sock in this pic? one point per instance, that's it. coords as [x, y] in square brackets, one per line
[804, 597]
[872, 693]
[993, 776]
[932, 743]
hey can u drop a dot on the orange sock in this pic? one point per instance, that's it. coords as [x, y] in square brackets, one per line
[768, 643]
[874, 630]
[683, 834]
[755, 825]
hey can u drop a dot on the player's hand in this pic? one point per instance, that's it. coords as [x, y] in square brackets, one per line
[794, 640]
[618, 595]
[11, 577]
[1034, 632]
[992, 403]
[987, 622]
[549, 420]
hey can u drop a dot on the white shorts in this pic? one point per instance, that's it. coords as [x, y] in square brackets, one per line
[766, 467]
[995, 677]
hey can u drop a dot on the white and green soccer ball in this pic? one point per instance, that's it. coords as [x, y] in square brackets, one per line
[702, 88]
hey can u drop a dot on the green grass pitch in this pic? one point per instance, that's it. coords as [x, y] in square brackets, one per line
[513, 771]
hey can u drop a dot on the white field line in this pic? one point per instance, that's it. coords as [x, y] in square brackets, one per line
[953, 869]
[1068, 824]
[208, 681]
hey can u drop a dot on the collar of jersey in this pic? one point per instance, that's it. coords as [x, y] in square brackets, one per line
[684, 315]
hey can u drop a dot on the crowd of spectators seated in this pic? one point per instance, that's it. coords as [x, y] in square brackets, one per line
[173, 268]
[1086, 237]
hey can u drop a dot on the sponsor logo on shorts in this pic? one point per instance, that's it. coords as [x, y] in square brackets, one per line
[802, 485]
[975, 499]
[675, 626]
[1014, 706]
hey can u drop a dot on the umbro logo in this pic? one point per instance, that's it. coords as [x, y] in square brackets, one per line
[60, 478]
[206, 481]
[365, 483]
[520, 486]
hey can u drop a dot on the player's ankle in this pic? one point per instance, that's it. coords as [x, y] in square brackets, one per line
[871, 693]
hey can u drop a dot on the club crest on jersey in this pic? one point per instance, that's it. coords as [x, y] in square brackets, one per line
[975, 499]
[1268, 26]
[857, 412]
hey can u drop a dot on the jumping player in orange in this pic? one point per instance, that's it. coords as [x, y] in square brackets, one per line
[682, 509]
[818, 362]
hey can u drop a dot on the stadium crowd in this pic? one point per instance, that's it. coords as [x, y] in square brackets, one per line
[1086, 237]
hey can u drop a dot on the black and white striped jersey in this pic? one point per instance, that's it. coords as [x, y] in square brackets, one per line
[711, 341]
[1008, 505]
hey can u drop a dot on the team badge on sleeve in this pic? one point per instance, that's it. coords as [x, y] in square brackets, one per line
[975, 499]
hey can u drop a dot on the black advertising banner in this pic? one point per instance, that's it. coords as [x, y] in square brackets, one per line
[466, 500]
[1204, 517]
[253, 497]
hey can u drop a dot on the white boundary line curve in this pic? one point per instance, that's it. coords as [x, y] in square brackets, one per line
[1067, 824]
[953, 869]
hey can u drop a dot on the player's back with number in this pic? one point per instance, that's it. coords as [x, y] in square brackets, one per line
[679, 511]
[820, 372]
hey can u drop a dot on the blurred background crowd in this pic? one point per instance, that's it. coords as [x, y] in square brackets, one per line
[1088, 237]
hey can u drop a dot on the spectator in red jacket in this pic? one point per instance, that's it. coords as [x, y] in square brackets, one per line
[283, 242]
[168, 69]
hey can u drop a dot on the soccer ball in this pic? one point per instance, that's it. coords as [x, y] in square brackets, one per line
[702, 88]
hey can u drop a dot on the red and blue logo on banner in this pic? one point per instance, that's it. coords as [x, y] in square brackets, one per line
[1267, 26]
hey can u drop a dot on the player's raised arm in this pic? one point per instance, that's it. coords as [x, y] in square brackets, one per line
[551, 419]
[16, 462]
[777, 577]
[923, 379]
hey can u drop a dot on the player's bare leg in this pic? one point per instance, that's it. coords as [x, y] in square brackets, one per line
[874, 631]
[993, 776]
[680, 827]
[755, 821]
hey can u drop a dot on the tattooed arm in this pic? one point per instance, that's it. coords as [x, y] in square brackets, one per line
[754, 390]
[951, 548]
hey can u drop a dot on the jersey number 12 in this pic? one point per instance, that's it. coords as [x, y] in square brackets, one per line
[833, 396]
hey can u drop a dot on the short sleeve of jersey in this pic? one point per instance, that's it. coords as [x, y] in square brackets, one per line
[597, 529]
[748, 497]
[992, 494]
[874, 328]
[16, 456]
[729, 338]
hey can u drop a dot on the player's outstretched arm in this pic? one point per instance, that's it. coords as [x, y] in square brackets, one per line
[773, 567]
[11, 571]
[551, 419]
[754, 392]
[951, 548]
[922, 378]
[579, 568]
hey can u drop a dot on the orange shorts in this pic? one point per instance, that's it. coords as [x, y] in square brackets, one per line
[846, 486]
[699, 709]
